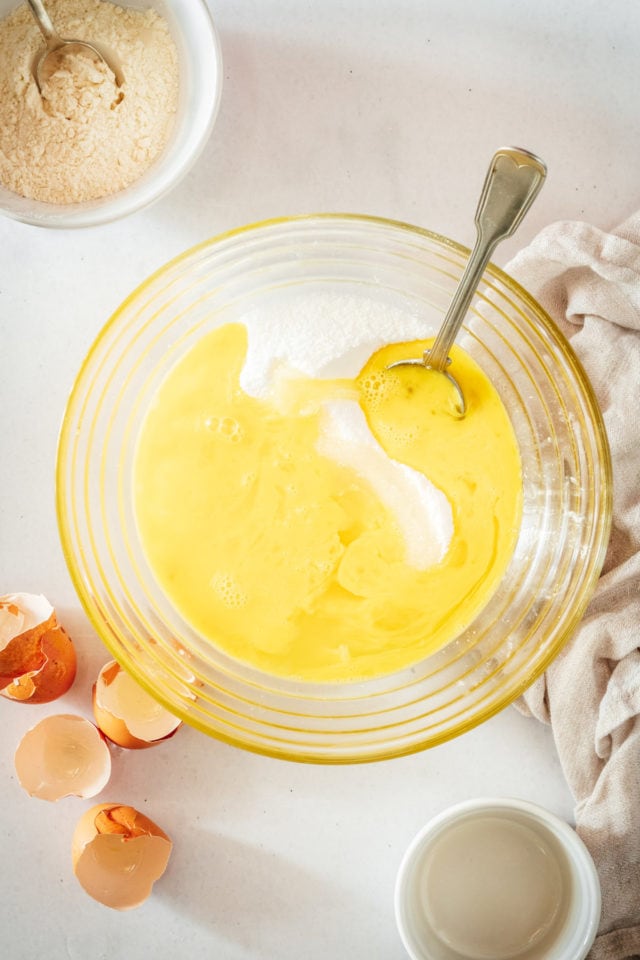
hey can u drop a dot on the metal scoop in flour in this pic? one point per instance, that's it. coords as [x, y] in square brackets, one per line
[511, 185]
[46, 62]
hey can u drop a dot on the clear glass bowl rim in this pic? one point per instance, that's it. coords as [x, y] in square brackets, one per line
[501, 698]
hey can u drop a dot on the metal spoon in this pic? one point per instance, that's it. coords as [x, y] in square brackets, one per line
[55, 43]
[511, 185]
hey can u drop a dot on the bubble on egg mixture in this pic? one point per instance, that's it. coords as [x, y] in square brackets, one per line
[227, 590]
[376, 388]
[329, 336]
[227, 428]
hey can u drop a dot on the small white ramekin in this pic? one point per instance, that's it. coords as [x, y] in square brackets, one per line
[572, 940]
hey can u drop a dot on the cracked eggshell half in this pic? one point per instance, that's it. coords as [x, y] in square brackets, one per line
[37, 658]
[118, 854]
[126, 713]
[62, 756]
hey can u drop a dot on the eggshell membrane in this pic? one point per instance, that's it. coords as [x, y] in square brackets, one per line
[61, 756]
[126, 713]
[20, 612]
[37, 658]
[118, 854]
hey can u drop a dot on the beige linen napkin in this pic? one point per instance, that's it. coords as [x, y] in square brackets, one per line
[589, 282]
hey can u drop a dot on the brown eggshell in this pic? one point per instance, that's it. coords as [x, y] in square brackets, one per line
[24, 617]
[63, 755]
[111, 715]
[37, 664]
[114, 728]
[55, 673]
[118, 854]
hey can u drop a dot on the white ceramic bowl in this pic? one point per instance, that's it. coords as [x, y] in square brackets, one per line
[431, 932]
[200, 65]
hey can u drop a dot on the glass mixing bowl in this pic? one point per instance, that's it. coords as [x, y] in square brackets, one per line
[566, 477]
[200, 68]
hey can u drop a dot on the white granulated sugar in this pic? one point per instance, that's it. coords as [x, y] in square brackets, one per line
[85, 137]
[326, 335]
[322, 335]
[421, 511]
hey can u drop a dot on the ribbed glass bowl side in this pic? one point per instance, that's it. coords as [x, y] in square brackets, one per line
[567, 490]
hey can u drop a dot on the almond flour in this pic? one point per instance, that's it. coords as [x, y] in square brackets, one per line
[85, 137]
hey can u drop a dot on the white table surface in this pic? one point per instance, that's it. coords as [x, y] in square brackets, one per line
[386, 107]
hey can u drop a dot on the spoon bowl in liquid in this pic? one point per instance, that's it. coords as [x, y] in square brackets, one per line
[513, 181]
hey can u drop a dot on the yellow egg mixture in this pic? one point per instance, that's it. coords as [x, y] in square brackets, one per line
[289, 561]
